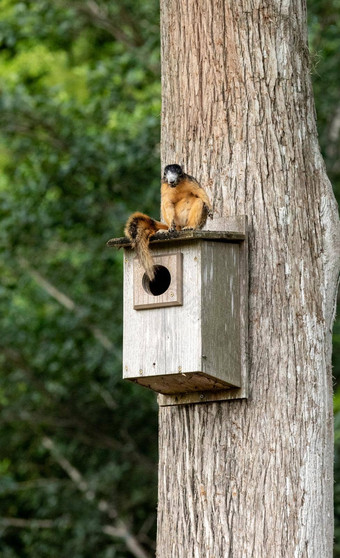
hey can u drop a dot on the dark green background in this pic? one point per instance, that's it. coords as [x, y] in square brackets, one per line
[79, 150]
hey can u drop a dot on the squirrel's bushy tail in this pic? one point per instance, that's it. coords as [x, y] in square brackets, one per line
[138, 229]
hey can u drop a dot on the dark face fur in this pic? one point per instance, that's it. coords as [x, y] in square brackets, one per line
[172, 175]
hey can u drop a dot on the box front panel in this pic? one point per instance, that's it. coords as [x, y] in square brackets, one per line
[166, 289]
[164, 340]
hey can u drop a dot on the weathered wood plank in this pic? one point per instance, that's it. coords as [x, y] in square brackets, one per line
[157, 340]
[235, 231]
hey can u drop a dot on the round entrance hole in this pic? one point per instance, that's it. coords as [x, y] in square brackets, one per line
[161, 282]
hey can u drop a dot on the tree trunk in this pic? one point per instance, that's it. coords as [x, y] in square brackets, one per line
[253, 478]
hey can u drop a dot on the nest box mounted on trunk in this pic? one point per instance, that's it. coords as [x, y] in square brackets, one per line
[185, 332]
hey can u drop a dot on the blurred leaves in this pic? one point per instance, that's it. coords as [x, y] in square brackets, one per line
[79, 148]
[324, 39]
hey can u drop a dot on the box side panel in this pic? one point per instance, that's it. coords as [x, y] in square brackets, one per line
[161, 341]
[232, 393]
[221, 347]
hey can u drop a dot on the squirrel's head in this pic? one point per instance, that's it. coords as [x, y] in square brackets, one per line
[172, 175]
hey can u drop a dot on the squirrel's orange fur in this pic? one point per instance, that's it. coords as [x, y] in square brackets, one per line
[184, 205]
[138, 229]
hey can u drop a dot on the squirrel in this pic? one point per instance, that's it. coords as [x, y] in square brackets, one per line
[184, 205]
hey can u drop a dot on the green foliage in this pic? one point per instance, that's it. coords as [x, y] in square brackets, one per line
[324, 35]
[79, 149]
[79, 119]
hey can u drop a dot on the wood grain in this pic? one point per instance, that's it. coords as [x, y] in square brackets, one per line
[173, 296]
[223, 229]
[194, 345]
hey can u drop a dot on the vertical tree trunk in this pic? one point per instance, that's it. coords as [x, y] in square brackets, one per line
[253, 478]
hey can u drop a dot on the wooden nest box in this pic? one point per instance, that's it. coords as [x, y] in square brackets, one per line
[185, 333]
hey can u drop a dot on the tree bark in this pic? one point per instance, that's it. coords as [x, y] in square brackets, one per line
[253, 478]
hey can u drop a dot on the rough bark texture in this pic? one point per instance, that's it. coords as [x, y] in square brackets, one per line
[254, 478]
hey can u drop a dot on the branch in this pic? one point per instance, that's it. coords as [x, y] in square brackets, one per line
[333, 140]
[68, 303]
[31, 128]
[105, 395]
[86, 432]
[120, 528]
[32, 484]
[28, 523]
[16, 359]
[116, 532]
[334, 129]
[98, 15]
